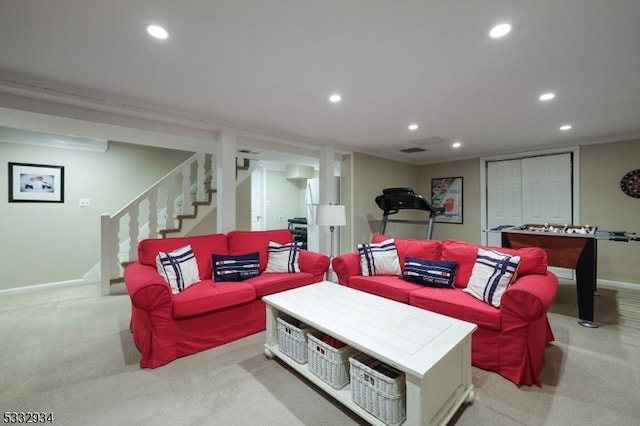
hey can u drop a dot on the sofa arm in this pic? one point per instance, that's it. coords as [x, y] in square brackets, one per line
[530, 297]
[314, 263]
[147, 289]
[346, 266]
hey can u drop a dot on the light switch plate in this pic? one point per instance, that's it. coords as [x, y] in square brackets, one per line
[84, 202]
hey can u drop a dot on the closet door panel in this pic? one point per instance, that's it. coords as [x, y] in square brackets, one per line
[546, 193]
[504, 197]
[546, 189]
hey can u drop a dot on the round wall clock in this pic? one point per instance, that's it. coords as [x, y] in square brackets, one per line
[630, 183]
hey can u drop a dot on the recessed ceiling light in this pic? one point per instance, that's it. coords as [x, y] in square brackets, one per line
[500, 30]
[156, 31]
[565, 127]
[413, 127]
[547, 96]
[456, 145]
[335, 98]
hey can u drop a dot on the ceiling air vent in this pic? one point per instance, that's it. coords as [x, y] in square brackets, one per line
[248, 151]
[412, 150]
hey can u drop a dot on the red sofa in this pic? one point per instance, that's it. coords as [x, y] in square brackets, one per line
[509, 340]
[207, 314]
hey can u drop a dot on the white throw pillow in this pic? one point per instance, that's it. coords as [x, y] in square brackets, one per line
[283, 257]
[491, 275]
[379, 258]
[179, 268]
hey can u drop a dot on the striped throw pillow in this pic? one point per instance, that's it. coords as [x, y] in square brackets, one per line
[379, 258]
[235, 268]
[492, 273]
[179, 268]
[283, 257]
[434, 273]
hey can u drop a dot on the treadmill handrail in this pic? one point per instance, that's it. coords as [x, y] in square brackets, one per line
[393, 200]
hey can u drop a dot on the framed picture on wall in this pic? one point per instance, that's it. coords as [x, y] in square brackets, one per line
[446, 193]
[36, 183]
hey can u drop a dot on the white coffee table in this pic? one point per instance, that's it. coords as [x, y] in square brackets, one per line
[434, 351]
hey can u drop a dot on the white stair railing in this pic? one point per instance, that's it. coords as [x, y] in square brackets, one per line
[124, 228]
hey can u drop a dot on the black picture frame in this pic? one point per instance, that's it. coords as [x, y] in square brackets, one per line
[447, 193]
[36, 183]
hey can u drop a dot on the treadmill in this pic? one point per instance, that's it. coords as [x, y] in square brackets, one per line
[393, 200]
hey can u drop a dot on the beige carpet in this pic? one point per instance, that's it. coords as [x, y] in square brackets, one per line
[68, 351]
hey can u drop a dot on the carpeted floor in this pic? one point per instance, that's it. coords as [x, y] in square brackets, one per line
[68, 351]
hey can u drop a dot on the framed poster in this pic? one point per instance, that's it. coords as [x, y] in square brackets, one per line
[36, 183]
[446, 193]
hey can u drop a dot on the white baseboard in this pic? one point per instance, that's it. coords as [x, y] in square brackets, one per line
[618, 285]
[37, 287]
[607, 284]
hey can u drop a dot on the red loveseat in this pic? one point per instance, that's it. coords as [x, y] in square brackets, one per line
[509, 340]
[207, 314]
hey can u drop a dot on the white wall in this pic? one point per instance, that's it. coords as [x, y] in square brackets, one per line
[54, 242]
[285, 199]
[370, 176]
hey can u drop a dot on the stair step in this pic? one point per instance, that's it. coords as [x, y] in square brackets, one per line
[186, 216]
[210, 192]
[164, 232]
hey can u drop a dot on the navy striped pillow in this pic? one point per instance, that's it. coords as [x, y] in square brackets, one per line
[434, 273]
[235, 268]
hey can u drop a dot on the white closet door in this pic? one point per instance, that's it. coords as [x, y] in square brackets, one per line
[546, 189]
[529, 190]
[546, 194]
[504, 197]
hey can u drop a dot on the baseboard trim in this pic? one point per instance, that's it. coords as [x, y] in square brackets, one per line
[38, 287]
[618, 285]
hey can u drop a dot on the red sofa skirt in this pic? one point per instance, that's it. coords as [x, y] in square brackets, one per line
[173, 338]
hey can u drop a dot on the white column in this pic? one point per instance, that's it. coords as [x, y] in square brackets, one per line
[327, 190]
[226, 182]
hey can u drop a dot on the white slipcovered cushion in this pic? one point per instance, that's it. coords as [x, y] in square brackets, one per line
[283, 257]
[492, 273]
[179, 268]
[379, 258]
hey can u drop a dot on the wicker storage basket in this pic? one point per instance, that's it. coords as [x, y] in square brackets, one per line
[378, 388]
[329, 363]
[292, 339]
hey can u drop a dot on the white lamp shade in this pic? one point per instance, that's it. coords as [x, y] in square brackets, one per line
[331, 215]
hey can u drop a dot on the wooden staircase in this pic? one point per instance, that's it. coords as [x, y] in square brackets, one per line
[181, 218]
[172, 206]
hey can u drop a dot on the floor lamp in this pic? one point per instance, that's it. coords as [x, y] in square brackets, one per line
[331, 215]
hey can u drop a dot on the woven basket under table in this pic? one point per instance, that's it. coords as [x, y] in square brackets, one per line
[292, 340]
[378, 388]
[329, 363]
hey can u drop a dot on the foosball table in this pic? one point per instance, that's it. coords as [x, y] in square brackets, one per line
[568, 246]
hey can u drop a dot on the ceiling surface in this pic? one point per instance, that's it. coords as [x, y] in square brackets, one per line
[269, 66]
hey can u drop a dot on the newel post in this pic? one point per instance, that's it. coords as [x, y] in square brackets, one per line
[106, 259]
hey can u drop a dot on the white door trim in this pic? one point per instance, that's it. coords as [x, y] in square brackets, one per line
[575, 150]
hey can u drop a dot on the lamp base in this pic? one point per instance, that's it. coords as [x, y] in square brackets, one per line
[330, 270]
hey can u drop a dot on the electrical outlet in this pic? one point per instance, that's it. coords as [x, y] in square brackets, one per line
[281, 218]
[84, 202]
